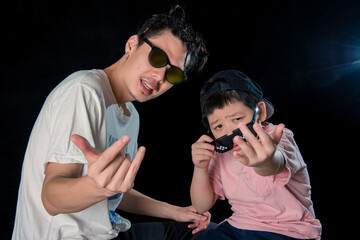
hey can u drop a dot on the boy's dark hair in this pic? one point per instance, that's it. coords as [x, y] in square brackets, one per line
[222, 98]
[174, 21]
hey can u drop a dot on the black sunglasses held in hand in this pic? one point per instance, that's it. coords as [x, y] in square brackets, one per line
[225, 143]
[159, 59]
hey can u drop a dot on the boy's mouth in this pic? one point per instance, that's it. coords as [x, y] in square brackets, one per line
[236, 147]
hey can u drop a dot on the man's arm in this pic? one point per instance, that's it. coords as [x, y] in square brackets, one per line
[64, 191]
[109, 173]
[138, 203]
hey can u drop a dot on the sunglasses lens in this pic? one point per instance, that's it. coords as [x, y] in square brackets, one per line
[157, 58]
[174, 75]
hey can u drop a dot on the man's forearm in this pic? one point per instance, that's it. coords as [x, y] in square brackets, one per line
[138, 203]
[65, 191]
[67, 195]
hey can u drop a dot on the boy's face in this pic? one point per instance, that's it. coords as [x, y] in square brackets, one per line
[145, 82]
[223, 121]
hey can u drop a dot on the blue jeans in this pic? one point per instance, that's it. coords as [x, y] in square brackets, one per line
[227, 232]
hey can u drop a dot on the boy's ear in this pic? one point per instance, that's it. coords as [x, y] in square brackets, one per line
[131, 43]
[262, 113]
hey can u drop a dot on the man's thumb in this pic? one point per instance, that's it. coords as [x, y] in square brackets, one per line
[89, 152]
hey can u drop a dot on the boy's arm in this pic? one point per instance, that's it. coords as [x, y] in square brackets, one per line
[273, 167]
[109, 173]
[201, 192]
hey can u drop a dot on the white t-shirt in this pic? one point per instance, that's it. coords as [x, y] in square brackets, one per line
[82, 104]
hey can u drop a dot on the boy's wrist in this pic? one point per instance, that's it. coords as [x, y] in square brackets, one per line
[201, 170]
[271, 167]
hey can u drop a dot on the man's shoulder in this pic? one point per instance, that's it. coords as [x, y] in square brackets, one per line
[92, 80]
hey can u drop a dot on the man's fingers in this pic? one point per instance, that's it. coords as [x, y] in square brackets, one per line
[123, 179]
[112, 153]
[134, 167]
[117, 180]
[89, 152]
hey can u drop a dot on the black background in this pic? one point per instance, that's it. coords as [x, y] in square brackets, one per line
[304, 54]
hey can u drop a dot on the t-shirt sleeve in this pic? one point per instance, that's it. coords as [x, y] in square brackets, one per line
[293, 159]
[215, 176]
[77, 110]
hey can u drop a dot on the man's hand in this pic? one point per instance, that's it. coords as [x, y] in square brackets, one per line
[189, 214]
[111, 170]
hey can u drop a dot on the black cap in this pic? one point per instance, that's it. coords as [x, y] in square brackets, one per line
[235, 80]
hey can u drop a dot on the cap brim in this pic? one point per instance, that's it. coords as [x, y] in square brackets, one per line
[269, 108]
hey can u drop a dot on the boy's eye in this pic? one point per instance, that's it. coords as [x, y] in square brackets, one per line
[237, 119]
[218, 126]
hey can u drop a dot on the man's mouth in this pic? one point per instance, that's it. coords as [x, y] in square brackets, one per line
[147, 86]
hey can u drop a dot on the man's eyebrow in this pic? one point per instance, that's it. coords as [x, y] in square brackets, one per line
[167, 56]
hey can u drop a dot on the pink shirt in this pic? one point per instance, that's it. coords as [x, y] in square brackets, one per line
[280, 203]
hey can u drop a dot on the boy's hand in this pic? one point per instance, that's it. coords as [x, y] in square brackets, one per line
[258, 152]
[111, 170]
[202, 152]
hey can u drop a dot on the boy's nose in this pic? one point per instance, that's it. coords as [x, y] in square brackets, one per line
[229, 132]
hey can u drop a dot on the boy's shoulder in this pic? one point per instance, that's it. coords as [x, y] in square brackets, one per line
[270, 128]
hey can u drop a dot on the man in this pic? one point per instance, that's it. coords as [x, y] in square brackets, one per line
[68, 189]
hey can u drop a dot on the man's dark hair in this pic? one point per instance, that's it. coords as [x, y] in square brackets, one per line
[220, 99]
[174, 21]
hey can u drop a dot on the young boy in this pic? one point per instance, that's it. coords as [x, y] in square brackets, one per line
[263, 176]
[71, 191]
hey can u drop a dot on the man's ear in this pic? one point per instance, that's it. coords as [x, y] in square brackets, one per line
[131, 44]
[262, 113]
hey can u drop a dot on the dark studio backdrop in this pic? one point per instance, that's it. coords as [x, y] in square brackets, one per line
[306, 56]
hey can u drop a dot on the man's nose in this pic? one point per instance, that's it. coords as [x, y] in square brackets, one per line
[159, 74]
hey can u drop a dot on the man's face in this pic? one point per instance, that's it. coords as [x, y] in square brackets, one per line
[145, 82]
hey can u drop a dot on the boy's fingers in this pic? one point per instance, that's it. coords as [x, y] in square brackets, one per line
[277, 134]
[198, 147]
[205, 138]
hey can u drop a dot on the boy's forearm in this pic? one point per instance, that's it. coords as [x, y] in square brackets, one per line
[272, 167]
[203, 197]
